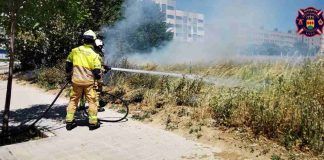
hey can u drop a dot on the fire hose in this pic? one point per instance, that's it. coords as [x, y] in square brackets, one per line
[32, 126]
[124, 102]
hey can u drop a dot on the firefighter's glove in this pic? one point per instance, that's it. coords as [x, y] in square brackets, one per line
[107, 68]
[96, 73]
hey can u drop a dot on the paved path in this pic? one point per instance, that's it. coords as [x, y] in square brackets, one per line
[123, 141]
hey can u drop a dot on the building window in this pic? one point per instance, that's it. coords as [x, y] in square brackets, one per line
[170, 8]
[179, 18]
[200, 28]
[195, 29]
[185, 29]
[171, 16]
[185, 19]
[201, 21]
[195, 20]
[195, 37]
[163, 8]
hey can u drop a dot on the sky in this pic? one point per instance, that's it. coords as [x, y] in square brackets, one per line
[271, 14]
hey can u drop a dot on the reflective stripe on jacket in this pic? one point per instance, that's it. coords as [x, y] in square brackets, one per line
[84, 60]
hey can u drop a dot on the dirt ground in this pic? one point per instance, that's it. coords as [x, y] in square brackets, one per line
[239, 143]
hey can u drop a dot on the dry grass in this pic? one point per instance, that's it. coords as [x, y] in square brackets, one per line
[282, 101]
[51, 78]
[285, 102]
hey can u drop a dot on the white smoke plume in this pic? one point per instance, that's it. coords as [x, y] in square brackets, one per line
[133, 13]
[221, 41]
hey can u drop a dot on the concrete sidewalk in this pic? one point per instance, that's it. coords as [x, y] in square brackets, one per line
[123, 141]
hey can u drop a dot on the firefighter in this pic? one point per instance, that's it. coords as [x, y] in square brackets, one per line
[83, 68]
[104, 69]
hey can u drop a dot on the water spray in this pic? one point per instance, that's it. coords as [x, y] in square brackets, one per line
[189, 76]
[210, 80]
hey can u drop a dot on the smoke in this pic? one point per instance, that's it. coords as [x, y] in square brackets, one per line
[135, 13]
[222, 33]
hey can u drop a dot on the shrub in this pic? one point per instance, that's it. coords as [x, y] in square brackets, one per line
[50, 78]
[186, 92]
[289, 107]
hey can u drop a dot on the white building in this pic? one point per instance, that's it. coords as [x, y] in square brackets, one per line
[187, 26]
[260, 36]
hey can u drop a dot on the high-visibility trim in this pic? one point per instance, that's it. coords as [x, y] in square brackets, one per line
[93, 119]
[82, 71]
[69, 117]
[82, 75]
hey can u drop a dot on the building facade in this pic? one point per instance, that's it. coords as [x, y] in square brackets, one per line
[186, 26]
[282, 39]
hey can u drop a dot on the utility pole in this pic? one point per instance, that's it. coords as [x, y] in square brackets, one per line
[13, 23]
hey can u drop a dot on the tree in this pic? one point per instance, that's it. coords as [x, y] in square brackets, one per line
[151, 33]
[140, 32]
[42, 32]
[102, 13]
[48, 30]
[10, 10]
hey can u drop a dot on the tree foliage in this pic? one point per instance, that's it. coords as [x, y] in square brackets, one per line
[151, 33]
[140, 32]
[149, 36]
[48, 29]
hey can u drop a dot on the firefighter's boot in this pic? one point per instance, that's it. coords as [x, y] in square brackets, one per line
[70, 125]
[94, 126]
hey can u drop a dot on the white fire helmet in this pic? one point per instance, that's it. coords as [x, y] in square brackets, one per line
[90, 35]
[98, 42]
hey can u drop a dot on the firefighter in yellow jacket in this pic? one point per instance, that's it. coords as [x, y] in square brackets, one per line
[83, 68]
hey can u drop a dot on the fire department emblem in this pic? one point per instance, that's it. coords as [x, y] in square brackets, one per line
[310, 22]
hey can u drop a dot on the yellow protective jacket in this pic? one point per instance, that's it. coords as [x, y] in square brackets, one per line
[84, 61]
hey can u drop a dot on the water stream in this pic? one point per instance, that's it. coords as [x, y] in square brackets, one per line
[229, 82]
